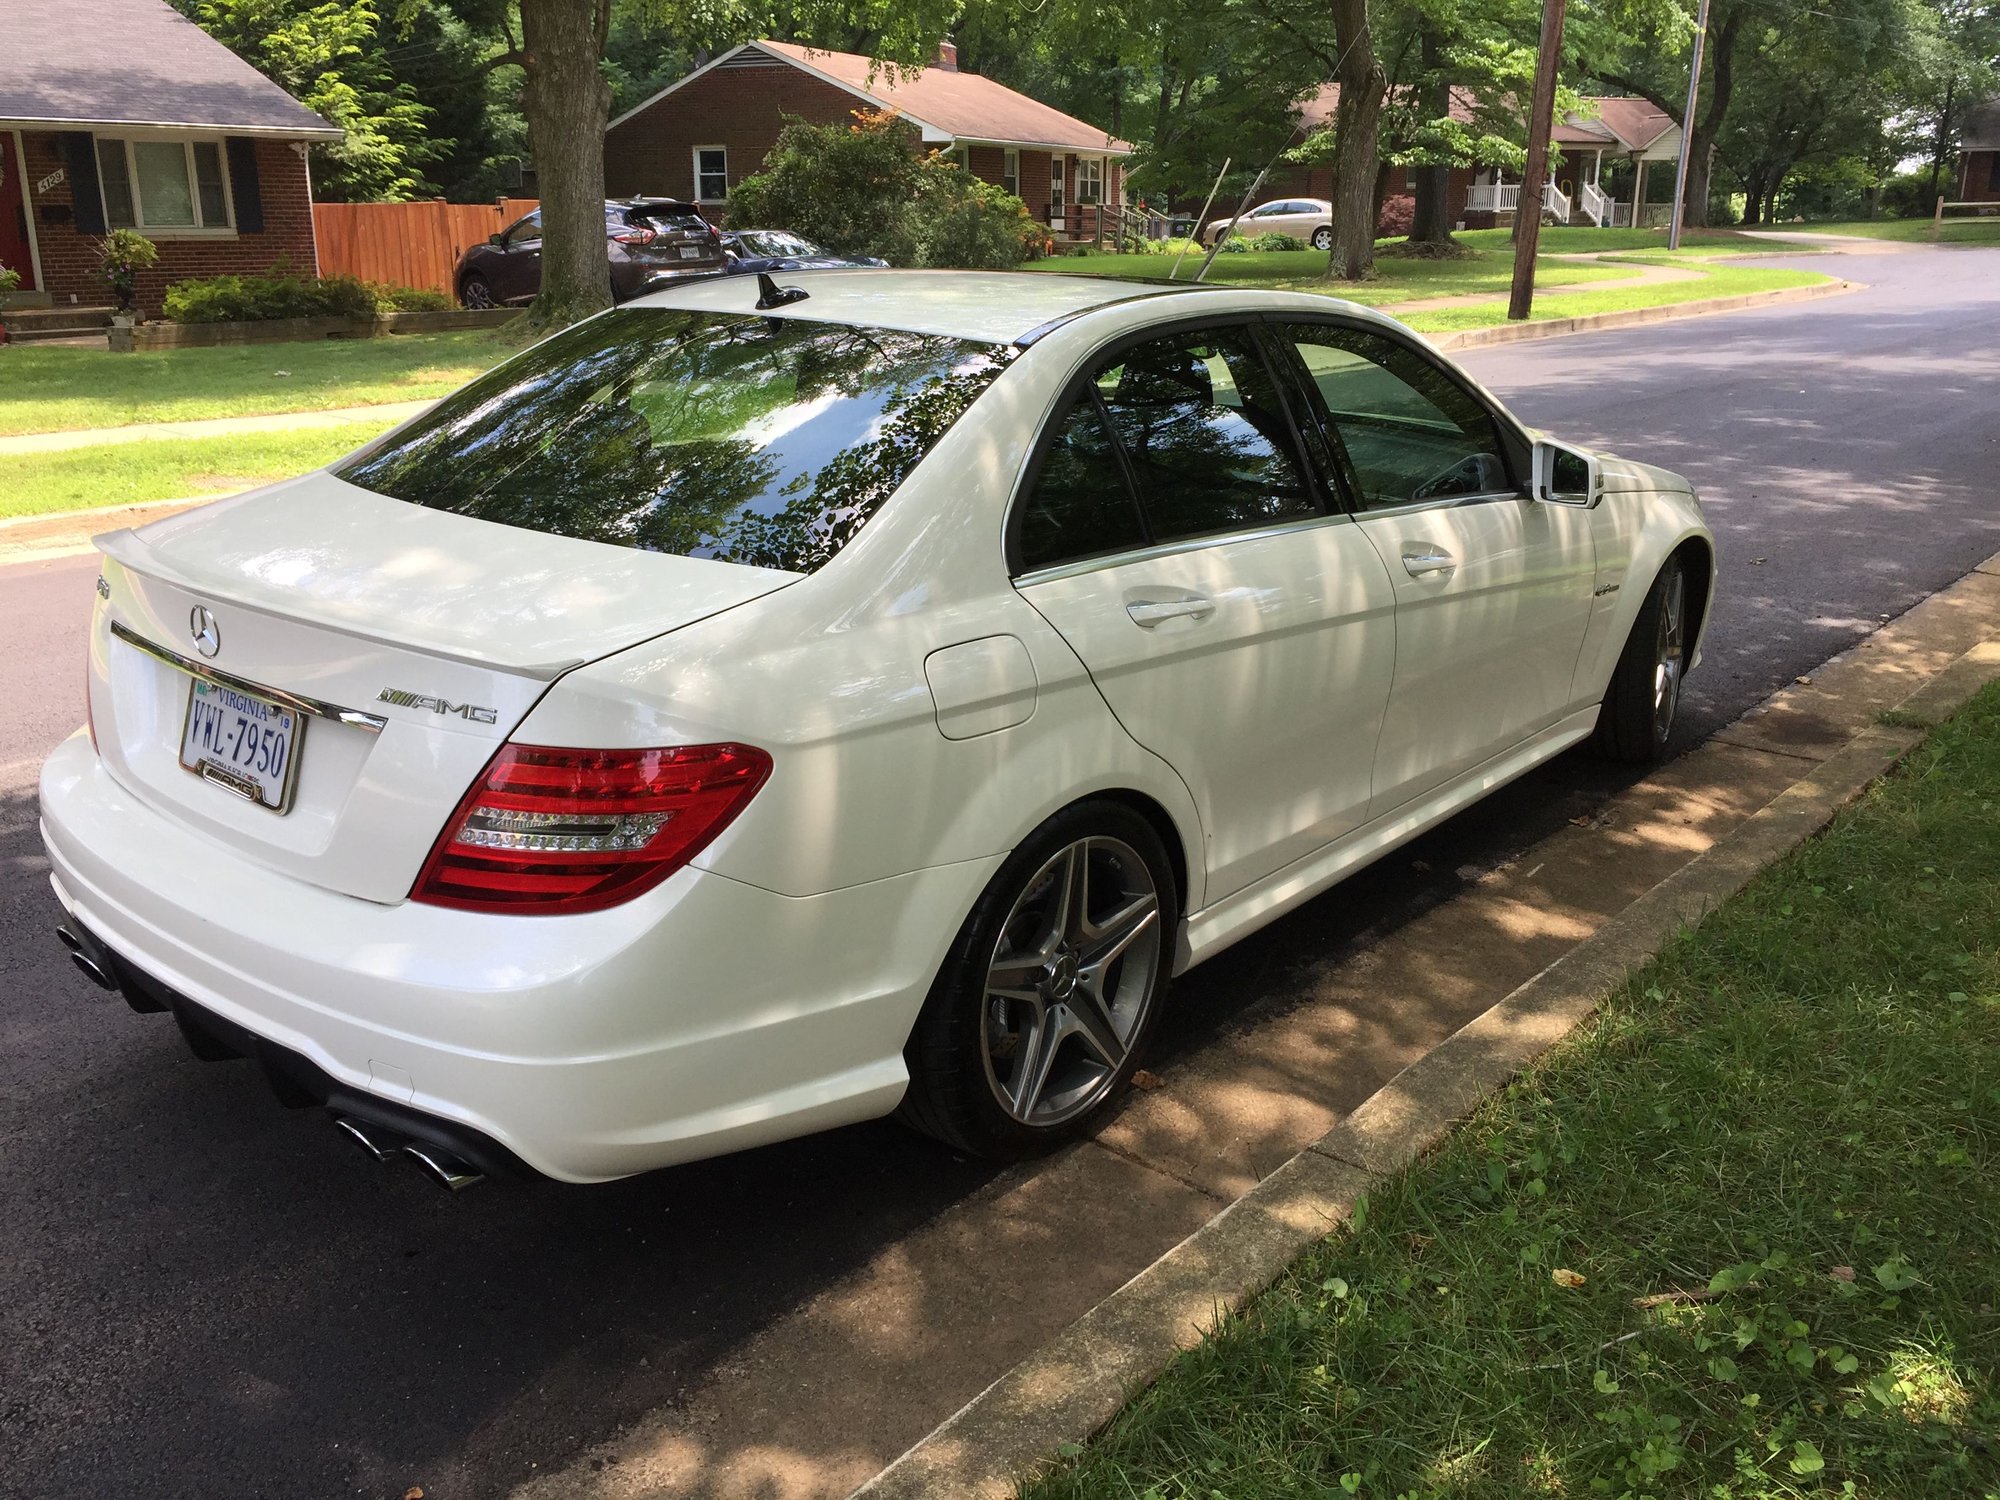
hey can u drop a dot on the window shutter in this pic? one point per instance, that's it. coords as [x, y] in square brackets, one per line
[86, 199]
[247, 198]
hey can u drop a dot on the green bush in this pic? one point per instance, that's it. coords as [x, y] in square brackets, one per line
[282, 293]
[392, 298]
[1235, 245]
[1275, 241]
[862, 189]
[849, 187]
[961, 221]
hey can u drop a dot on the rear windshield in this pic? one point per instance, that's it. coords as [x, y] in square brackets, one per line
[663, 217]
[766, 441]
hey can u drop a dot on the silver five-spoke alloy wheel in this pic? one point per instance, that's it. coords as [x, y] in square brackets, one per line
[1070, 981]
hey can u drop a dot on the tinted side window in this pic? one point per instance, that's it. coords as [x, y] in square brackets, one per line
[1080, 505]
[1204, 429]
[526, 231]
[1410, 431]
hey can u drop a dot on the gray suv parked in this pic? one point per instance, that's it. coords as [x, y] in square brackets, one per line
[648, 241]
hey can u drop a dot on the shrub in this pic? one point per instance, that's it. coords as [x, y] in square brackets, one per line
[9, 279]
[1235, 245]
[282, 293]
[850, 187]
[958, 220]
[1397, 217]
[121, 256]
[1276, 241]
[392, 298]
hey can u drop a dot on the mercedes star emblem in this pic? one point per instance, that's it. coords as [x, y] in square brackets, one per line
[207, 634]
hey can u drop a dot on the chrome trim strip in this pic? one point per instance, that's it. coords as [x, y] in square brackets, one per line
[373, 723]
[1172, 549]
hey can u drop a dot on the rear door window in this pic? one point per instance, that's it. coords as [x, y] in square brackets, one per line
[1206, 434]
[765, 441]
[681, 220]
[1080, 506]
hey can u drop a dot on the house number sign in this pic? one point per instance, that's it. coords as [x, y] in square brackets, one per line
[51, 180]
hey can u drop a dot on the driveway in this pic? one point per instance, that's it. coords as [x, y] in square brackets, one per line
[204, 1295]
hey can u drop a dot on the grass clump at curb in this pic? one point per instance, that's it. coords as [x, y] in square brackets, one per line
[65, 390]
[1717, 280]
[1738, 1239]
[169, 468]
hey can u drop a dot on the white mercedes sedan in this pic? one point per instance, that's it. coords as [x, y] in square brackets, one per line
[760, 708]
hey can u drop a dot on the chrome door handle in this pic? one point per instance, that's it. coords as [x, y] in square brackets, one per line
[1147, 613]
[1422, 562]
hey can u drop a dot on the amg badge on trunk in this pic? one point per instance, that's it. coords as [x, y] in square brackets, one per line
[469, 711]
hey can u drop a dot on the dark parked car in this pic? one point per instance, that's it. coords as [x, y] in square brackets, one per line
[780, 250]
[649, 240]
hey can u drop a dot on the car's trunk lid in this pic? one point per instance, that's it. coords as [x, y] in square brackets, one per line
[417, 639]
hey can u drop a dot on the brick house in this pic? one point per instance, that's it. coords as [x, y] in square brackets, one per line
[123, 114]
[699, 136]
[1606, 147]
[1979, 156]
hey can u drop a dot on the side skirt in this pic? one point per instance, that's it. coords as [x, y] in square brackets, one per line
[1206, 933]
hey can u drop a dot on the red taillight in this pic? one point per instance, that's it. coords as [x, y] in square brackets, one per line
[556, 831]
[635, 236]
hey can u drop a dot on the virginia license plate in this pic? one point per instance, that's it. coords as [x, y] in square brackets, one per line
[242, 743]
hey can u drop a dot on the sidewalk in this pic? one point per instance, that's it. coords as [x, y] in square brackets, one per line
[387, 413]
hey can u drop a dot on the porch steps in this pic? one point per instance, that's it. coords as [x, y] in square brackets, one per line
[32, 324]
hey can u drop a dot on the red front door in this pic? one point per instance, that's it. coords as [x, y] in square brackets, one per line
[15, 253]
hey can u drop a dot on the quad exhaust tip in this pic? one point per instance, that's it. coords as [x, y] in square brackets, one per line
[443, 1167]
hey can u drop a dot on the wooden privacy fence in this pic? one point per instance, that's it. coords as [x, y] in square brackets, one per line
[411, 244]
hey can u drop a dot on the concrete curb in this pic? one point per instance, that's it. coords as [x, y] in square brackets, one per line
[1071, 1388]
[1514, 333]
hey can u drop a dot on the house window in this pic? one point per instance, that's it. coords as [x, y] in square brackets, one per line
[1089, 180]
[163, 184]
[711, 173]
[1010, 171]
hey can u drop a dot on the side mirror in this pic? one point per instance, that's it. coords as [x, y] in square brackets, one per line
[1566, 476]
[494, 240]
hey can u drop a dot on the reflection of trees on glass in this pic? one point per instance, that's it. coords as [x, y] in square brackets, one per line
[1202, 424]
[759, 440]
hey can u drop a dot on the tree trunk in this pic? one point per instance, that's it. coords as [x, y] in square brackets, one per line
[1362, 83]
[1432, 223]
[567, 103]
[1943, 141]
[1699, 142]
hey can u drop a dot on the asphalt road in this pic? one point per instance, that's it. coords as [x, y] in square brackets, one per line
[202, 1294]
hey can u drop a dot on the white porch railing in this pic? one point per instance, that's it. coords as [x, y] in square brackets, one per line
[1596, 207]
[1505, 198]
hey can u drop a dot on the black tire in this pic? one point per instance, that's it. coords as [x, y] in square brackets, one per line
[475, 291]
[970, 1032]
[1323, 237]
[1637, 717]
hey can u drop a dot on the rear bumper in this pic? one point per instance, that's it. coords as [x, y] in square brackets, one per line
[704, 1017]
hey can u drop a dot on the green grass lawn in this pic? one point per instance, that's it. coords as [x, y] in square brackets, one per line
[1956, 231]
[168, 468]
[60, 390]
[1718, 280]
[1577, 239]
[1738, 1239]
[1302, 270]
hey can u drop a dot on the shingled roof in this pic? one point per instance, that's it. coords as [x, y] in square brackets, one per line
[943, 103]
[79, 64]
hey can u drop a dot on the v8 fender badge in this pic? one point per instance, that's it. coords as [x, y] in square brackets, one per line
[471, 712]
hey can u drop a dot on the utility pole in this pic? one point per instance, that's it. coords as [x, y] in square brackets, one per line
[1687, 132]
[1541, 125]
